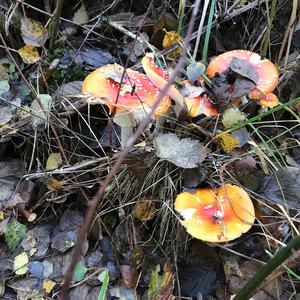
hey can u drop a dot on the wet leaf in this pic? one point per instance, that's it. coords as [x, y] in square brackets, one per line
[81, 15]
[282, 187]
[29, 54]
[197, 278]
[227, 142]
[33, 32]
[14, 233]
[161, 286]
[195, 70]
[4, 86]
[37, 241]
[144, 210]
[79, 272]
[40, 116]
[244, 69]
[62, 241]
[5, 115]
[21, 263]
[54, 161]
[232, 116]
[36, 269]
[48, 285]
[184, 153]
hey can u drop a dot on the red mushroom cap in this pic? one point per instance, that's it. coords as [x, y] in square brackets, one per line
[216, 215]
[136, 92]
[267, 71]
[160, 78]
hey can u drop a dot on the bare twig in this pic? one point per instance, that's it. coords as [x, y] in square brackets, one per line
[58, 8]
[96, 200]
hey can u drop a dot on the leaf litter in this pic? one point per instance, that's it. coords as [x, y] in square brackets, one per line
[136, 238]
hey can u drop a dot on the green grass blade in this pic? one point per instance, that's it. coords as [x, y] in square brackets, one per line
[104, 286]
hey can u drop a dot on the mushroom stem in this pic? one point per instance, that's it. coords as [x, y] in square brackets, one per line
[126, 133]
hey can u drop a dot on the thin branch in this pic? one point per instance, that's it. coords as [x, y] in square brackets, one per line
[96, 200]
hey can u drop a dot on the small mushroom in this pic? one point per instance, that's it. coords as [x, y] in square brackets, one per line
[266, 70]
[269, 100]
[136, 97]
[216, 215]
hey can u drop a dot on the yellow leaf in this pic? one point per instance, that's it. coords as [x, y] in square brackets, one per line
[33, 32]
[29, 54]
[227, 142]
[54, 161]
[48, 285]
[21, 263]
[2, 217]
[144, 210]
[171, 38]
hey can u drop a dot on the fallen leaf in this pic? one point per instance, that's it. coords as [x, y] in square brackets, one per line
[79, 272]
[4, 86]
[282, 187]
[14, 233]
[197, 278]
[33, 32]
[5, 115]
[144, 210]
[48, 285]
[21, 263]
[29, 54]
[93, 57]
[249, 269]
[232, 116]
[54, 161]
[40, 116]
[227, 142]
[195, 70]
[244, 69]
[161, 286]
[81, 15]
[171, 38]
[36, 269]
[241, 135]
[184, 153]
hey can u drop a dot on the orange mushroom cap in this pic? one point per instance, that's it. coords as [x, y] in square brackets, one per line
[136, 90]
[216, 215]
[160, 78]
[266, 70]
[269, 100]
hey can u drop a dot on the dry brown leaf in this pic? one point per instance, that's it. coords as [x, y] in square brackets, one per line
[144, 210]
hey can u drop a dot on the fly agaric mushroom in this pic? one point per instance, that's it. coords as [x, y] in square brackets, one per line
[269, 100]
[195, 105]
[136, 97]
[216, 215]
[266, 70]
